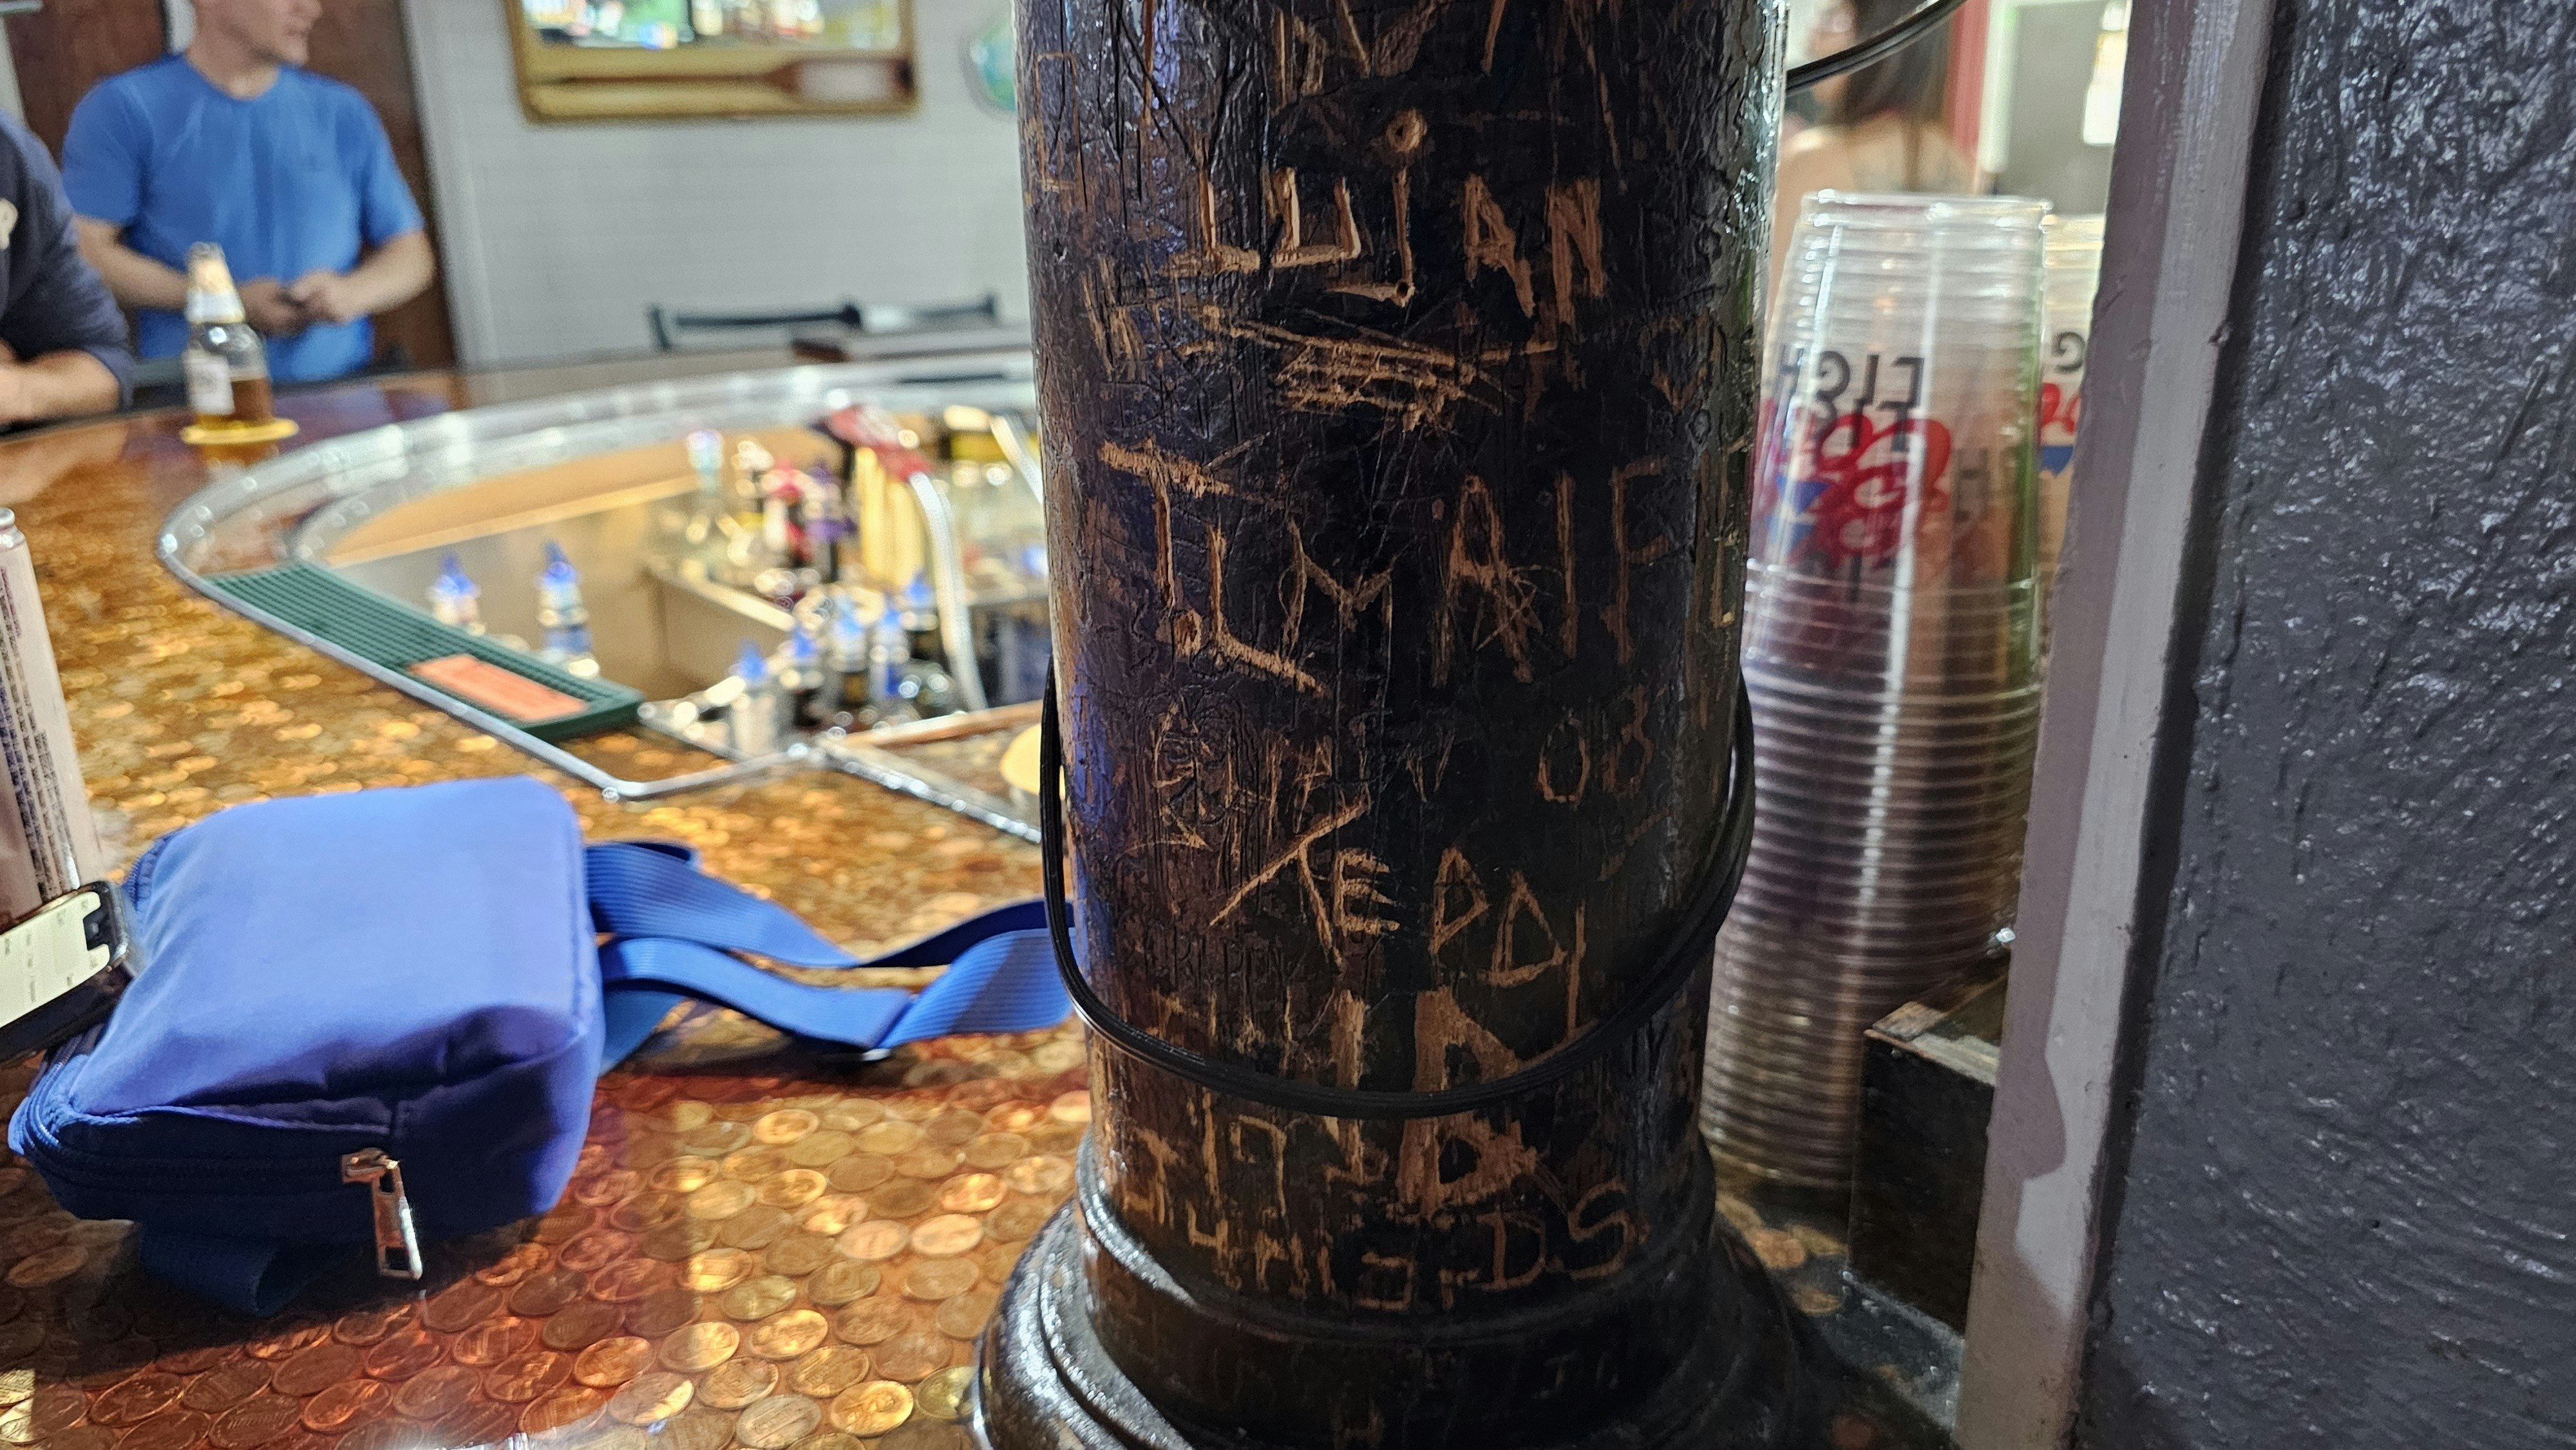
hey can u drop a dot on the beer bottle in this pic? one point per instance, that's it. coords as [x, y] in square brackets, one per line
[225, 363]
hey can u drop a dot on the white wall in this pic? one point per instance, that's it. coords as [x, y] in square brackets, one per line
[555, 238]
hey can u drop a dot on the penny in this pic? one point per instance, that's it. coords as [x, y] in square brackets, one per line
[224, 1386]
[1014, 1117]
[1041, 1175]
[178, 1361]
[612, 1361]
[873, 1321]
[648, 1211]
[793, 1188]
[479, 1422]
[560, 1409]
[363, 1327]
[716, 1270]
[307, 1371]
[830, 1440]
[695, 1429]
[523, 1377]
[995, 1150]
[686, 1116]
[380, 1435]
[820, 1149]
[932, 1280]
[607, 1188]
[943, 1395]
[17, 1384]
[662, 1311]
[756, 1227]
[755, 1165]
[842, 1280]
[700, 1347]
[169, 1430]
[903, 1198]
[758, 1298]
[876, 1239]
[997, 1260]
[946, 1236]
[493, 1341]
[48, 1266]
[521, 1261]
[828, 1370]
[561, 1223]
[964, 1316]
[255, 1421]
[404, 1354]
[953, 1126]
[784, 1126]
[914, 1356]
[651, 1398]
[683, 1175]
[286, 1340]
[851, 1113]
[860, 1172]
[43, 1415]
[461, 1304]
[721, 1199]
[872, 1408]
[582, 1324]
[833, 1213]
[1017, 1219]
[928, 1161]
[136, 1399]
[348, 1403]
[597, 1247]
[923, 1434]
[915, 1106]
[785, 1336]
[777, 1422]
[624, 1281]
[798, 1254]
[716, 1139]
[677, 1241]
[543, 1294]
[737, 1382]
[1072, 1107]
[436, 1394]
[1055, 1137]
[889, 1137]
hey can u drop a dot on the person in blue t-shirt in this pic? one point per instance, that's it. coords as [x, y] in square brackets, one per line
[234, 143]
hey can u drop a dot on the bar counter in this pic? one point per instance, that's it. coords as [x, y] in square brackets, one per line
[759, 1248]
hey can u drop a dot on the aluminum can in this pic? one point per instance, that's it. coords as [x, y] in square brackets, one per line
[48, 839]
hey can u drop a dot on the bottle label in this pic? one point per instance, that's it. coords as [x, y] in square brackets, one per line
[210, 383]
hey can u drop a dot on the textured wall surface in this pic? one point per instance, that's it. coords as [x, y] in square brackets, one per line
[2347, 1215]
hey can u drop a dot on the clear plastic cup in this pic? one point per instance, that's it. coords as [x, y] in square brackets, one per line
[2072, 273]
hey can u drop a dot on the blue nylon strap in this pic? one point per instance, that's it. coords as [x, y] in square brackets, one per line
[642, 888]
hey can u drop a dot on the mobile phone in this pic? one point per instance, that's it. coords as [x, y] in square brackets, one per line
[62, 967]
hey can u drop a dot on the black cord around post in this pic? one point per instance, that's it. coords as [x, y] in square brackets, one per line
[1878, 47]
[1684, 957]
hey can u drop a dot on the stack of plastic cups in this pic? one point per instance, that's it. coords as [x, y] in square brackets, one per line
[2073, 270]
[1891, 652]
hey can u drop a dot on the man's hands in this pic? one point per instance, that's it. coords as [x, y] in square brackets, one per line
[327, 296]
[273, 308]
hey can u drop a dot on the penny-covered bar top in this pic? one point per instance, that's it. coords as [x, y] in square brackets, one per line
[758, 1248]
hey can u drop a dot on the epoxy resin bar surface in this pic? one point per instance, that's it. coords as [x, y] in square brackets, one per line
[755, 1251]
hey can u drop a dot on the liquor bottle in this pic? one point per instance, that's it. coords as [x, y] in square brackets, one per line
[688, 527]
[563, 616]
[845, 660]
[453, 598]
[802, 680]
[752, 720]
[225, 363]
[890, 664]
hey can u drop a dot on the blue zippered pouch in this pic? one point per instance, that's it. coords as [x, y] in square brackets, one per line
[376, 1018]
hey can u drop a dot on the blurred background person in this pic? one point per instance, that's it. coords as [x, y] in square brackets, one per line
[233, 142]
[62, 341]
[1884, 127]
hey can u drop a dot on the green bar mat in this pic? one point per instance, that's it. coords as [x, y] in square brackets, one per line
[395, 635]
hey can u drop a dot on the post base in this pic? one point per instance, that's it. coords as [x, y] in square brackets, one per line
[1044, 1382]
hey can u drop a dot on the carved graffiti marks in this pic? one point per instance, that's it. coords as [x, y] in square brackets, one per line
[1615, 613]
[1407, 383]
[1479, 561]
[1458, 900]
[1490, 242]
[1303, 52]
[1287, 213]
[1526, 943]
[1403, 141]
[1429, 1176]
[1299, 858]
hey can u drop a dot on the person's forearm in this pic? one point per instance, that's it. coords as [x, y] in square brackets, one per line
[58, 385]
[393, 274]
[137, 280]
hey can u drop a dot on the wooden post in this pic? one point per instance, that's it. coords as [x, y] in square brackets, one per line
[1398, 369]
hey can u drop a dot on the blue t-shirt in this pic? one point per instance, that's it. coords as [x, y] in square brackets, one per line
[297, 178]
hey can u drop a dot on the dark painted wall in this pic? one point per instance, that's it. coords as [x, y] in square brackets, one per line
[2344, 1213]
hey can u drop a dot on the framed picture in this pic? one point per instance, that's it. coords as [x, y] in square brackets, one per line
[600, 60]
